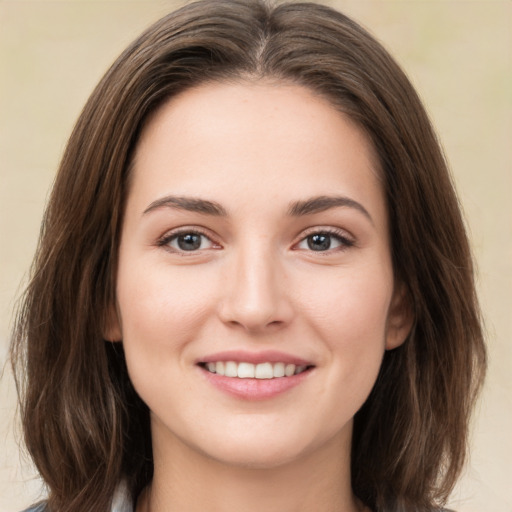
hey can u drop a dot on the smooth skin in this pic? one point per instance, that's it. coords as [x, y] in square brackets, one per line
[226, 246]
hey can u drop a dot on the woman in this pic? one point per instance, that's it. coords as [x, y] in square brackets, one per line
[253, 287]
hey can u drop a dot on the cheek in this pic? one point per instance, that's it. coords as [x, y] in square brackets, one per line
[351, 319]
[160, 313]
[156, 300]
[351, 306]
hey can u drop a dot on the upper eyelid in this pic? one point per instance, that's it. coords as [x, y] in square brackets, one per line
[345, 239]
[330, 230]
[170, 234]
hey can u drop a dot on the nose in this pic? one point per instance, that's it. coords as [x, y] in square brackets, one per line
[255, 296]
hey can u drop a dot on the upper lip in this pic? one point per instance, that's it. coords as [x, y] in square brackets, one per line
[243, 356]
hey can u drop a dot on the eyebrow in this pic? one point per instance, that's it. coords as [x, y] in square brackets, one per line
[309, 206]
[322, 203]
[190, 204]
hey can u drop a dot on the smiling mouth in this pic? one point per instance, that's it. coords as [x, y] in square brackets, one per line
[244, 370]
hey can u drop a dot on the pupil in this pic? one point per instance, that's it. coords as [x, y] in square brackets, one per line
[319, 242]
[189, 242]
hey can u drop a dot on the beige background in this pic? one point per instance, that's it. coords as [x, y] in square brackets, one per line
[458, 53]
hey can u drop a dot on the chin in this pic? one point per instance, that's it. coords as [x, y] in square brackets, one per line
[257, 458]
[269, 449]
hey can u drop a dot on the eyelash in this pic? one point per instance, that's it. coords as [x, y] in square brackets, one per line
[338, 234]
[166, 240]
[341, 236]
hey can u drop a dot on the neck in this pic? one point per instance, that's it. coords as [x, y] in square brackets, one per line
[187, 480]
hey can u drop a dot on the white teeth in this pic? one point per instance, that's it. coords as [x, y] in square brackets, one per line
[254, 371]
[246, 370]
[230, 369]
[264, 371]
[219, 368]
[279, 370]
[299, 369]
[289, 370]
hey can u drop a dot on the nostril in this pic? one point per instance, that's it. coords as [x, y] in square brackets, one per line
[255, 305]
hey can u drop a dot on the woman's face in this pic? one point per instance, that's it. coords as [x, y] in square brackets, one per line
[255, 244]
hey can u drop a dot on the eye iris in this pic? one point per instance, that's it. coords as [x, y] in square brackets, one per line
[319, 242]
[189, 242]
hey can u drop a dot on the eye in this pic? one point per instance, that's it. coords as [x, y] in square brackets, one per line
[322, 241]
[187, 241]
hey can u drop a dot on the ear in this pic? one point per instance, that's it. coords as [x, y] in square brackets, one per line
[112, 326]
[400, 317]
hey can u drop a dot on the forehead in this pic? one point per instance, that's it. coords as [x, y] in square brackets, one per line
[240, 140]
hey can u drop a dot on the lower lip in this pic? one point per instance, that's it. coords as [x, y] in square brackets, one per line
[255, 389]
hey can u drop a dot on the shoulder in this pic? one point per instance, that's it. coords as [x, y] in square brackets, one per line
[122, 501]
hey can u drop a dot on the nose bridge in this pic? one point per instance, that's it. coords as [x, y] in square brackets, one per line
[255, 297]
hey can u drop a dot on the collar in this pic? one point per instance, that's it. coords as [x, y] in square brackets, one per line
[122, 501]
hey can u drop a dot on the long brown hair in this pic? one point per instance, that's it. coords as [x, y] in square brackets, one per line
[85, 427]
